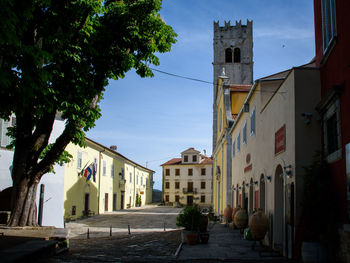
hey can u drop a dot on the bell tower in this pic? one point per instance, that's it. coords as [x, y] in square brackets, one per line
[233, 50]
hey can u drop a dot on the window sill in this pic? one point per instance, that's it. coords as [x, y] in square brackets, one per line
[335, 156]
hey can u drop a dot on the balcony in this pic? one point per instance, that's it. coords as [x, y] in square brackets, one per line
[189, 190]
[122, 182]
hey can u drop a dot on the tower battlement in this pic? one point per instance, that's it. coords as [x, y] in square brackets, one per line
[227, 25]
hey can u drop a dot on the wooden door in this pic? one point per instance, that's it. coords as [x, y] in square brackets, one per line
[106, 202]
[189, 200]
[114, 202]
[190, 187]
[87, 203]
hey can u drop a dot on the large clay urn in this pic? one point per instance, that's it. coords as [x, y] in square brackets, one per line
[241, 219]
[234, 211]
[258, 225]
[228, 213]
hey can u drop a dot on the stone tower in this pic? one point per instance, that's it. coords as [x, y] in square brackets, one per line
[233, 50]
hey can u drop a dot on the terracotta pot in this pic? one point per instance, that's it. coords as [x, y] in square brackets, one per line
[191, 238]
[228, 213]
[241, 219]
[258, 225]
[234, 211]
[204, 237]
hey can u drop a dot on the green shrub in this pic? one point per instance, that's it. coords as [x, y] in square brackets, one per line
[189, 218]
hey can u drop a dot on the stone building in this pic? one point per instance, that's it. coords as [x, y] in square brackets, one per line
[233, 76]
[188, 180]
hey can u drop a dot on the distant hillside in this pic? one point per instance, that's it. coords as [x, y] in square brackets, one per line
[156, 196]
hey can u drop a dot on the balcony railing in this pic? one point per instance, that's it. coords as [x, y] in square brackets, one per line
[189, 190]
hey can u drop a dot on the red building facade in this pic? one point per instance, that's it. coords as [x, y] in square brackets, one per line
[332, 39]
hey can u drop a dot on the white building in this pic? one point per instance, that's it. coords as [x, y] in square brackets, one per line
[188, 180]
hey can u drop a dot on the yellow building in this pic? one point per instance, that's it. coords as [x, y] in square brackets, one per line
[229, 99]
[100, 180]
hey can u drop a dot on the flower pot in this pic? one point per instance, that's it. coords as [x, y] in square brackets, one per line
[258, 225]
[241, 219]
[228, 213]
[234, 211]
[191, 238]
[204, 237]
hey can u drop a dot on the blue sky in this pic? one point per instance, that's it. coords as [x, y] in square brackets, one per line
[152, 120]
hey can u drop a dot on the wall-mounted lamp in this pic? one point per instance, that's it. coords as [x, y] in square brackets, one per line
[307, 117]
[240, 188]
[256, 182]
[288, 170]
[268, 178]
[246, 184]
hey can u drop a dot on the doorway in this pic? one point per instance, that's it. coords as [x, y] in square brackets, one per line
[122, 201]
[190, 200]
[189, 187]
[114, 202]
[278, 211]
[262, 193]
[87, 202]
[251, 197]
[106, 202]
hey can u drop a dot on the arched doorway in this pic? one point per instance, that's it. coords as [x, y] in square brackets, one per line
[278, 210]
[251, 196]
[262, 193]
[237, 196]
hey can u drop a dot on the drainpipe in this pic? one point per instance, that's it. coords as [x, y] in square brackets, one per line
[99, 180]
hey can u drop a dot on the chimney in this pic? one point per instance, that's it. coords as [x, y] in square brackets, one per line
[113, 147]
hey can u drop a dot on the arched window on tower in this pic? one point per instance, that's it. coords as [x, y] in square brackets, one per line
[237, 55]
[228, 55]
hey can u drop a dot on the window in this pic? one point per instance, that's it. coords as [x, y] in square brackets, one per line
[80, 160]
[177, 185]
[239, 142]
[244, 139]
[331, 130]
[329, 29]
[137, 179]
[167, 185]
[141, 180]
[167, 198]
[167, 172]
[202, 198]
[228, 55]
[252, 123]
[194, 158]
[202, 185]
[95, 161]
[177, 171]
[237, 55]
[177, 198]
[203, 170]
[112, 170]
[104, 168]
[122, 173]
[185, 158]
[190, 171]
[130, 177]
[233, 148]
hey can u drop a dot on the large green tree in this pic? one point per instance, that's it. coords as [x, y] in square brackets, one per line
[56, 56]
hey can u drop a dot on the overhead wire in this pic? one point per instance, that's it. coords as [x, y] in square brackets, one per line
[200, 80]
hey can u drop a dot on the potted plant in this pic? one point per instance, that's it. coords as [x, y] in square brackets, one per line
[318, 212]
[189, 218]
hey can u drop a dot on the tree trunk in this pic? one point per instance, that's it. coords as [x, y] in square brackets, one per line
[24, 205]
